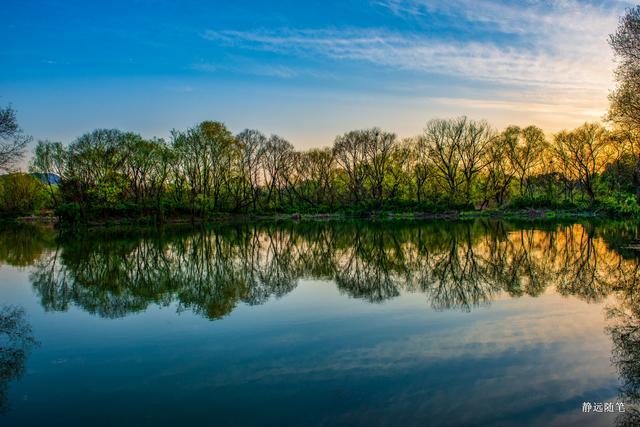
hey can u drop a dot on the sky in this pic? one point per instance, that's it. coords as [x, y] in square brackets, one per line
[306, 70]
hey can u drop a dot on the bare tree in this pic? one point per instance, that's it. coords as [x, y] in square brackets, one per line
[277, 159]
[350, 155]
[444, 139]
[625, 99]
[525, 148]
[252, 148]
[473, 147]
[500, 172]
[583, 153]
[420, 164]
[12, 139]
[315, 171]
[378, 146]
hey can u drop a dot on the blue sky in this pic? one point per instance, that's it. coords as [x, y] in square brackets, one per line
[303, 69]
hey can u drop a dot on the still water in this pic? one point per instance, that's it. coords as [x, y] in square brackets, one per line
[318, 324]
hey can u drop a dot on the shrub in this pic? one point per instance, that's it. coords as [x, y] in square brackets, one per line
[620, 204]
[21, 194]
[69, 213]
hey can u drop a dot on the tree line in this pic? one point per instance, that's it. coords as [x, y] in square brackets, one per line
[455, 163]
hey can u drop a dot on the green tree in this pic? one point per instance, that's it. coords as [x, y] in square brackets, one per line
[21, 193]
[206, 154]
[50, 159]
[95, 174]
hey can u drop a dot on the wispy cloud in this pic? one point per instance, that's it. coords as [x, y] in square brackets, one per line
[251, 68]
[558, 49]
[560, 42]
[486, 61]
[555, 115]
[255, 68]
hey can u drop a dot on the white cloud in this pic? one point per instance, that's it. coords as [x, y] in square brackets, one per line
[541, 53]
[551, 41]
[474, 60]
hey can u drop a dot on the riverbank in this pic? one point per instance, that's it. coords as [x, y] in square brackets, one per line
[519, 214]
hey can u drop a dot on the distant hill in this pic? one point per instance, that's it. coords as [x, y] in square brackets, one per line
[47, 178]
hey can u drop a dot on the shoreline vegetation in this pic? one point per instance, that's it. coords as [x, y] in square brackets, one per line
[453, 215]
[457, 167]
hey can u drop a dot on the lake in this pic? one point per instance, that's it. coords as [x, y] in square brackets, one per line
[479, 322]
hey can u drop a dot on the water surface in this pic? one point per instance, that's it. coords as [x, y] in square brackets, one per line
[428, 323]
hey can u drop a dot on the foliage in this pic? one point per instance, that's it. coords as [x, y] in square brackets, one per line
[620, 204]
[21, 193]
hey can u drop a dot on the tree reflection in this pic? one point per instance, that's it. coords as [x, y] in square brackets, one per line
[458, 266]
[624, 329]
[211, 270]
[22, 244]
[16, 341]
[625, 336]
